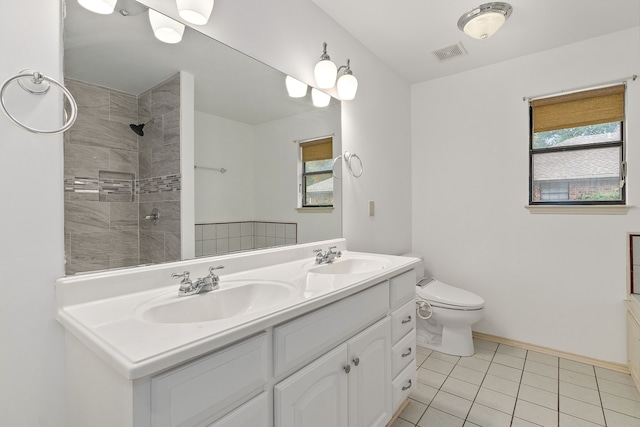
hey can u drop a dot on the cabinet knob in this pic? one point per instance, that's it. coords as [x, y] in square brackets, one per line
[407, 320]
[347, 369]
[407, 387]
[356, 361]
[407, 353]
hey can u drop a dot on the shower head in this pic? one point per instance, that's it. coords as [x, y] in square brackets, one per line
[138, 128]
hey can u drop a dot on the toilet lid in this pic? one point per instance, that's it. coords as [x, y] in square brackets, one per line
[441, 294]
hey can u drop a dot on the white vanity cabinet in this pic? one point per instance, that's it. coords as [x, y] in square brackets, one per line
[633, 339]
[349, 386]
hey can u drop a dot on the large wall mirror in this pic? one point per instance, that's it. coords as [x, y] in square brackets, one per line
[182, 150]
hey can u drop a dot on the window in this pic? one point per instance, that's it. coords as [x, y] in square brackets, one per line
[576, 151]
[316, 185]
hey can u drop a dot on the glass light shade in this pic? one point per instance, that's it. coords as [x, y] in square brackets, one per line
[484, 25]
[325, 73]
[347, 87]
[319, 98]
[295, 88]
[103, 7]
[164, 28]
[195, 11]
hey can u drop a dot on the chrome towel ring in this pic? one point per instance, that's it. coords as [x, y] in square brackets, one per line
[348, 157]
[37, 83]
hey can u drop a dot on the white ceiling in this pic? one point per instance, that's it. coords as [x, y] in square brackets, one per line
[404, 33]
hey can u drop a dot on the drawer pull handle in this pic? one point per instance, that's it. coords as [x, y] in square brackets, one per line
[407, 353]
[407, 320]
[347, 369]
[407, 387]
[356, 361]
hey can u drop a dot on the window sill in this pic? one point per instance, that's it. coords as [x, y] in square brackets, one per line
[579, 210]
[315, 210]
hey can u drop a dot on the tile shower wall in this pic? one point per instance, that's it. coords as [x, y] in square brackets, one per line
[113, 178]
[225, 237]
[100, 166]
[159, 179]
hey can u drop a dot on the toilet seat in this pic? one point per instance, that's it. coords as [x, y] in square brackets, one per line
[440, 294]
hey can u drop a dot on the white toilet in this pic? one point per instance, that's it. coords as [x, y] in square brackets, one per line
[444, 317]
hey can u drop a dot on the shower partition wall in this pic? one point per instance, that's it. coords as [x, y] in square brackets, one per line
[113, 178]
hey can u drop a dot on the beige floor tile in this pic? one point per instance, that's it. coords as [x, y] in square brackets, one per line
[399, 422]
[488, 417]
[545, 359]
[413, 411]
[538, 396]
[621, 405]
[577, 378]
[570, 421]
[583, 410]
[541, 369]
[512, 361]
[434, 417]
[484, 354]
[438, 365]
[431, 378]
[460, 388]
[423, 393]
[502, 385]
[610, 375]
[453, 405]
[519, 422]
[475, 363]
[506, 372]
[616, 419]
[488, 345]
[493, 399]
[536, 414]
[469, 375]
[577, 392]
[540, 381]
[446, 357]
[512, 351]
[618, 389]
[571, 365]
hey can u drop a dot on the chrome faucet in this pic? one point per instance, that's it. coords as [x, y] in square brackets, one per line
[327, 257]
[204, 284]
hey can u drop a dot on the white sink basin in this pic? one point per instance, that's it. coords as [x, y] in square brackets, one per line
[356, 265]
[232, 299]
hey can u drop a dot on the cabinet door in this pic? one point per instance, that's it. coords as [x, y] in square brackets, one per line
[315, 396]
[370, 376]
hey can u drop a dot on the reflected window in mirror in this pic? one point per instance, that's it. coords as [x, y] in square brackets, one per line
[317, 173]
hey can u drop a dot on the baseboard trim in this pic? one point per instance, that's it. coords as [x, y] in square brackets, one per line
[618, 367]
[398, 412]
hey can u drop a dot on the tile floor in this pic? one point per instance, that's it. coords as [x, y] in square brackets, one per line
[507, 386]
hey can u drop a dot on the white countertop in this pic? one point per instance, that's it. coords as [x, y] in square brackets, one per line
[104, 310]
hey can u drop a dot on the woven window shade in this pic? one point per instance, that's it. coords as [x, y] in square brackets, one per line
[590, 107]
[319, 149]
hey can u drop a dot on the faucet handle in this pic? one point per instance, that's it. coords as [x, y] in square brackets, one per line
[315, 251]
[184, 276]
[214, 268]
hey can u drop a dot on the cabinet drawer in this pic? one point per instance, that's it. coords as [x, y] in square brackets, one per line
[402, 288]
[403, 384]
[211, 386]
[403, 352]
[254, 413]
[403, 320]
[301, 340]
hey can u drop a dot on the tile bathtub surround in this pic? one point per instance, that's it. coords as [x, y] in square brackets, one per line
[502, 385]
[221, 238]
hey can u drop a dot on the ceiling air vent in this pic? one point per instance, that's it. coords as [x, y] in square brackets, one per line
[449, 52]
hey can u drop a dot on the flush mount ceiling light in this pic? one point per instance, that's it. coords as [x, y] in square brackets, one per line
[164, 28]
[485, 20]
[195, 11]
[295, 87]
[103, 7]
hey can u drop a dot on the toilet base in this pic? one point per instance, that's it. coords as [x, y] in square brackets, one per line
[456, 341]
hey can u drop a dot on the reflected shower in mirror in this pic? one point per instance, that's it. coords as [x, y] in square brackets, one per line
[182, 150]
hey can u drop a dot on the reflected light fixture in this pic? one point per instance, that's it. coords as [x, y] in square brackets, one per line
[103, 7]
[325, 71]
[319, 98]
[347, 84]
[164, 28]
[195, 11]
[485, 20]
[295, 87]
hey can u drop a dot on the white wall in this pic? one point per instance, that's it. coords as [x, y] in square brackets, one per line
[557, 281]
[224, 143]
[31, 247]
[288, 35]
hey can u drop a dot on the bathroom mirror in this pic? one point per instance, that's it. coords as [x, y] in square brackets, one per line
[131, 199]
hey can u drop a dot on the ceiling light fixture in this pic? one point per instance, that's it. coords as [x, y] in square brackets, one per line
[164, 28]
[319, 98]
[485, 20]
[103, 7]
[295, 87]
[195, 11]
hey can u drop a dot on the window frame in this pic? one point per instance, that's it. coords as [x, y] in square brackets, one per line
[580, 147]
[303, 174]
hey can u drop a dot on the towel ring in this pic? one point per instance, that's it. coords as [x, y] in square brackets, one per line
[33, 87]
[333, 168]
[349, 158]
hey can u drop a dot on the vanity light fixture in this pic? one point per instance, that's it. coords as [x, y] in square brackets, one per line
[485, 20]
[319, 98]
[295, 87]
[195, 11]
[103, 7]
[164, 28]
[347, 84]
[326, 72]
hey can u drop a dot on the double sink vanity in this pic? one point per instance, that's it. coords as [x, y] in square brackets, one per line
[283, 341]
